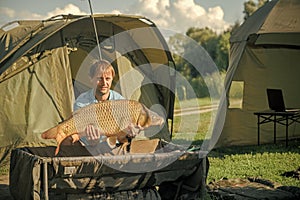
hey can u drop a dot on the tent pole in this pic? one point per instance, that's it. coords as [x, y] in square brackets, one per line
[95, 29]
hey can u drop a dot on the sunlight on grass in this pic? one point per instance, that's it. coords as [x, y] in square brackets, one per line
[4, 167]
[192, 128]
[190, 103]
[267, 162]
[267, 165]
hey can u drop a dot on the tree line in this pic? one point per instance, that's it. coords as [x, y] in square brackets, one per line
[217, 46]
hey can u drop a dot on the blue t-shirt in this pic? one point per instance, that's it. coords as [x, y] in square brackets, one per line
[88, 98]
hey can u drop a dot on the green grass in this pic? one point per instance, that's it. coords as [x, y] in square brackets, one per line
[192, 103]
[265, 161]
[4, 167]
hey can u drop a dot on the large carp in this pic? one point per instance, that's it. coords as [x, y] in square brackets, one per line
[110, 117]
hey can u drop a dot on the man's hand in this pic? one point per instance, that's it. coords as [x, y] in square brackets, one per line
[133, 130]
[93, 134]
[130, 132]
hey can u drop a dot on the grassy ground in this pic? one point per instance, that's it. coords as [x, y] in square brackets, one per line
[268, 162]
[4, 167]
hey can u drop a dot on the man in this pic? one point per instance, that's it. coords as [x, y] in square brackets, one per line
[101, 76]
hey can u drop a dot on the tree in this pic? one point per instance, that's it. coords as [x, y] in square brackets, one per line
[205, 37]
[250, 7]
[216, 45]
[222, 51]
[212, 45]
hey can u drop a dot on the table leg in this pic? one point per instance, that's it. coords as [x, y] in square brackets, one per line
[286, 130]
[274, 129]
[258, 127]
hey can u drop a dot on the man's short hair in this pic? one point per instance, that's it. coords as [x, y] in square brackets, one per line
[103, 66]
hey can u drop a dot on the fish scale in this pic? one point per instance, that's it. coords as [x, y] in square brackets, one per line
[110, 117]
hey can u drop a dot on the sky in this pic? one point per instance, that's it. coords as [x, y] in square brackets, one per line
[175, 15]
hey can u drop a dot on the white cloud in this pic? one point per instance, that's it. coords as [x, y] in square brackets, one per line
[216, 13]
[115, 12]
[179, 15]
[28, 15]
[68, 9]
[188, 9]
[7, 12]
[6, 15]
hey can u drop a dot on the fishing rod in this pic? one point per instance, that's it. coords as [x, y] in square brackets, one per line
[95, 29]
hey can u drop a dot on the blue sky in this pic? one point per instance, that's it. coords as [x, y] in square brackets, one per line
[176, 15]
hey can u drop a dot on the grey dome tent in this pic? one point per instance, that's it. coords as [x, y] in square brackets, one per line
[264, 53]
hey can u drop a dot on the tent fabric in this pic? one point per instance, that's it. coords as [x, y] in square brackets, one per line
[262, 55]
[12, 40]
[44, 66]
[283, 18]
[21, 113]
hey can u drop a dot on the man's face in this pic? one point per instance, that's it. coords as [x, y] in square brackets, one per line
[102, 81]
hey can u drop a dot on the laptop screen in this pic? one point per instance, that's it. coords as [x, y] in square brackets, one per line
[275, 99]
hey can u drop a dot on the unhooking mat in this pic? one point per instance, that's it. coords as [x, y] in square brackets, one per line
[35, 173]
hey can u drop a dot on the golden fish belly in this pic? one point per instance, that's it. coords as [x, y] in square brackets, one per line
[110, 117]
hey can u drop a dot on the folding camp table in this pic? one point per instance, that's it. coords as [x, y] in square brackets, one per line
[282, 118]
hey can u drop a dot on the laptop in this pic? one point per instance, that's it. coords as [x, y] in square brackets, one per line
[276, 102]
